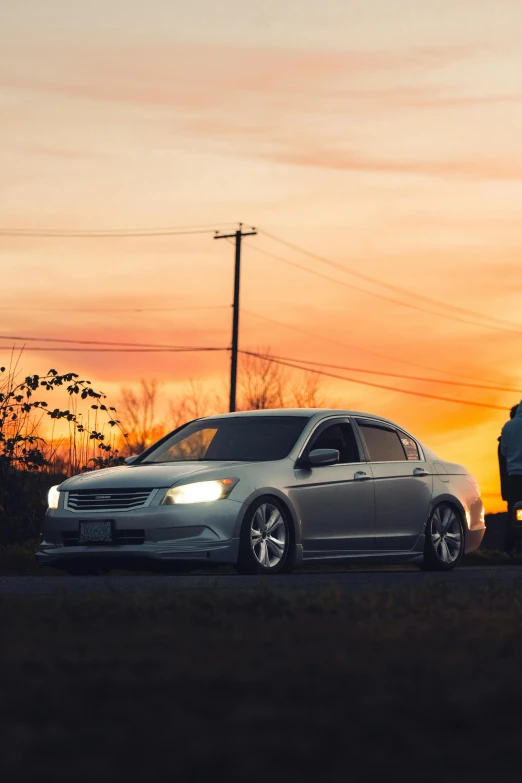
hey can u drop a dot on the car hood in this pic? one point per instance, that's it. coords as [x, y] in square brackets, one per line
[142, 476]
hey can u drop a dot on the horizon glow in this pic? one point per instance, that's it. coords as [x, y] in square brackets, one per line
[382, 136]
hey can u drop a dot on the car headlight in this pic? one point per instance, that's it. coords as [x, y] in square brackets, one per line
[200, 492]
[53, 498]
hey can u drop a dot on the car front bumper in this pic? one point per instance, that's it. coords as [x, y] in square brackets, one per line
[199, 532]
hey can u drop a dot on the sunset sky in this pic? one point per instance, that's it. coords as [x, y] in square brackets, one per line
[383, 136]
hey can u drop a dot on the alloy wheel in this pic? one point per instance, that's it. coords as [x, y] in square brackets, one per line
[446, 534]
[268, 535]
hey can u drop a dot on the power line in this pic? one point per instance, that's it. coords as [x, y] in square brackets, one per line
[100, 234]
[114, 309]
[52, 348]
[146, 347]
[409, 305]
[362, 350]
[120, 230]
[392, 287]
[208, 227]
[387, 388]
[94, 342]
[389, 374]
[509, 326]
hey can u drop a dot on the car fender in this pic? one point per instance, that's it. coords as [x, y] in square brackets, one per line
[276, 493]
[445, 497]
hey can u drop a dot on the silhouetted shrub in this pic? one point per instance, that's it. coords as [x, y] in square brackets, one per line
[30, 463]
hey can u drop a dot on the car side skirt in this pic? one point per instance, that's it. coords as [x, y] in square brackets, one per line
[366, 557]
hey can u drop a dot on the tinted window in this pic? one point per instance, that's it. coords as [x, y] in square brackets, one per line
[340, 437]
[383, 444]
[410, 447]
[249, 438]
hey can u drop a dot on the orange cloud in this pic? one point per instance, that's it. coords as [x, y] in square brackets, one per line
[258, 99]
[190, 75]
[479, 169]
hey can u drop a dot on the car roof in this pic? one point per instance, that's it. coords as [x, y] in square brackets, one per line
[306, 412]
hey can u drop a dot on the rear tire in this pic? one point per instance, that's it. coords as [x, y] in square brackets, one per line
[444, 542]
[265, 541]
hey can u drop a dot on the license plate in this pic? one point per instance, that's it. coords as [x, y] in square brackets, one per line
[96, 532]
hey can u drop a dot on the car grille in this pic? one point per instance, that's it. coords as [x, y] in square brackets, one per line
[110, 500]
[120, 537]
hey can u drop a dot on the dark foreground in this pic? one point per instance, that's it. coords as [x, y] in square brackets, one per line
[321, 684]
[344, 578]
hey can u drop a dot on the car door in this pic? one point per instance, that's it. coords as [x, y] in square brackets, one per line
[403, 485]
[335, 502]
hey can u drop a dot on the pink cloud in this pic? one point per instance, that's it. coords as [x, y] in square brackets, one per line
[470, 169]
[258, 99]
[189, 76]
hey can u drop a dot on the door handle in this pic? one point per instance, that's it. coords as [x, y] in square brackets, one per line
[420, 472]
[360, 475]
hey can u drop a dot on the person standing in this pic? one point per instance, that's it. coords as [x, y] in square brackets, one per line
[510, 463]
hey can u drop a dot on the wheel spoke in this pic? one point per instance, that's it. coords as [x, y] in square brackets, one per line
[436, 524]
[449, 521]
[274, 522]
[261, 550]
[445, 552]
[436, 540]
[260, 516]
[277, 547]
[452, 542]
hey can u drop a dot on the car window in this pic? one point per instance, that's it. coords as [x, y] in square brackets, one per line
[194, 446]
[410, 447]
[383, 443]
[241, 438]
[340, 437]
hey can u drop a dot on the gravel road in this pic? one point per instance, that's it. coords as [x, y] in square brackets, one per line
[344, 579]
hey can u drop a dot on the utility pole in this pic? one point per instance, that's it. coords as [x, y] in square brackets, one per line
[237, 235]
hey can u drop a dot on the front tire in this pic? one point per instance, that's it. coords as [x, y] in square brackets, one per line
[265, 541]
[444, 544]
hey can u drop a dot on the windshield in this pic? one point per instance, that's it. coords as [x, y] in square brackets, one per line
[241, 438]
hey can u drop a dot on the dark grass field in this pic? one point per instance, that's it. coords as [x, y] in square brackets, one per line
[263, 685]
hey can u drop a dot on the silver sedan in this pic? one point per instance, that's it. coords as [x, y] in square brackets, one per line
[268, 491]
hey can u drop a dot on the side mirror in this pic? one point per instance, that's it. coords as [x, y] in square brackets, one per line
[130, 460]
[322, 457]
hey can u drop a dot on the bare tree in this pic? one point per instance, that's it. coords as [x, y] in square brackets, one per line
[193, 402]
[264, 383]
[139, 417]
[305, 391]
